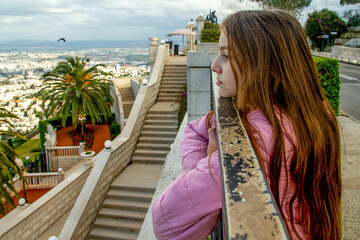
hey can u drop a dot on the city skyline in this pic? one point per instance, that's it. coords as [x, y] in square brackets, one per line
[123, 20]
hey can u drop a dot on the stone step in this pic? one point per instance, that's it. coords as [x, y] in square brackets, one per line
[172, 85]
[137, 195]
[126, 204]
[166, 94]
[154, 139]
[169, 90]
[154, 146]
[118, 186]
[149, 127]
[172, 82]
[169, 121]
[121, 213]
[120, 224]
[158, 134]
[162, 112]
[167, 78]
[167, 99]
[150, 153]
[175, 68]
[148, 160]
[161, 117]
[175, 65]
[174, 75]
[111, 234]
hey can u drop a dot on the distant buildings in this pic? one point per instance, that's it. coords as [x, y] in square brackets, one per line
[20, 77]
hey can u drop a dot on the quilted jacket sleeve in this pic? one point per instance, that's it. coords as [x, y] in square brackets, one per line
[195, 140]
[189, 207]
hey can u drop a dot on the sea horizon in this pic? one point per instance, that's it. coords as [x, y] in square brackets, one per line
[69, 45]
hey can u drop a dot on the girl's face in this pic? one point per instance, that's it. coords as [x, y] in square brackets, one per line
[225, 76]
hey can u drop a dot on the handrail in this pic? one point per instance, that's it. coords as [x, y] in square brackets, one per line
[249, 209]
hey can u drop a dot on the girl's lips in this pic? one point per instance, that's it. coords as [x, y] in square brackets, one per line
[218, 82]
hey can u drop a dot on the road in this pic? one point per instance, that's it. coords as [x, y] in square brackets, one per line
[350, 89]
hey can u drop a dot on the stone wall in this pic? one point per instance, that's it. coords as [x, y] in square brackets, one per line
[36, 218]
[108, 166]
[199, 83]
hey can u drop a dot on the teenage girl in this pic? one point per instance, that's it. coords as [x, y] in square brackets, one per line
[265, 64]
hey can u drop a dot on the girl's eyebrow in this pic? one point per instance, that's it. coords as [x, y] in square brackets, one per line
[222, 48]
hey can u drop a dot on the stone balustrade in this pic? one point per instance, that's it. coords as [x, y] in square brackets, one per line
[62, 157]
[39, 180]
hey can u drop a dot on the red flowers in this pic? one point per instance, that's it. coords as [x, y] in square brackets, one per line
[88, 137]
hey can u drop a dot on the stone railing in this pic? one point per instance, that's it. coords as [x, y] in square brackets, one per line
[249, 209]
[43, 180]
[109, 163]
[39, 180]
[342, 54]
[36, 218]
[62, 157]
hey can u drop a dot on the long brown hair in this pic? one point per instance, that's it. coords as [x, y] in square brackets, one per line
[276, 69]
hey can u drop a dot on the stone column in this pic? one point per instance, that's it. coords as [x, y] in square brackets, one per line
[153, 48]
[190, 39]
[48, 152]
[200, 22]
[198, 84]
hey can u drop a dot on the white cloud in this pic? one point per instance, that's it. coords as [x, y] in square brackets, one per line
[112, 20]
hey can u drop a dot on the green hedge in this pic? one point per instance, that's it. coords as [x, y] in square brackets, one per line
[210, 33]
[114, 129]
[328, 72]
[42, 130]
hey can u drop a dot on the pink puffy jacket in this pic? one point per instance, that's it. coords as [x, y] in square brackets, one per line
[189, 207]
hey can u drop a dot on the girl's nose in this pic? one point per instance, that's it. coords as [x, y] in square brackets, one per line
[215, 66]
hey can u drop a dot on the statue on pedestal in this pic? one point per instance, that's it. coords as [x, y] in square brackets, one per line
[211, 17]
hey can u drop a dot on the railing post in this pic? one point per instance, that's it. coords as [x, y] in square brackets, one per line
[48, 146]
[60, 176]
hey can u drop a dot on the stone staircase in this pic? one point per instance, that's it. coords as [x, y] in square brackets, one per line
[130, 195]
[174, 78]
[128, 99]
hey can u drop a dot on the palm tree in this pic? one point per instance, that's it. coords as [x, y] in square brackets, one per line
[77, 91]
[8, 168]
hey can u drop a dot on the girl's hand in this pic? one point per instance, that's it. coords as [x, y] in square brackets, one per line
[213, 141]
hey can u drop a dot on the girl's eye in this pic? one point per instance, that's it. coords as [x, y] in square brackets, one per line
[225, 56]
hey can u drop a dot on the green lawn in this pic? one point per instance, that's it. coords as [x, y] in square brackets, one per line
[29, 148]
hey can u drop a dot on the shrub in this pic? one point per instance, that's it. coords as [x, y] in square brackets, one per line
[181, 105]
[328, 72]
[17, 141]
[210, 33]
[114, 130]
[42, 130]
[323, 23]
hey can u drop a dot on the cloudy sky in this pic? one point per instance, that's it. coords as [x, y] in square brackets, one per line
[113, 19]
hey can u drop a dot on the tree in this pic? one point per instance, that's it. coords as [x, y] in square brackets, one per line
[211, 32]
[347, 2]
[322, 23]
[293, 6]
[8, 168]
[76, 91]
[353, 18]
